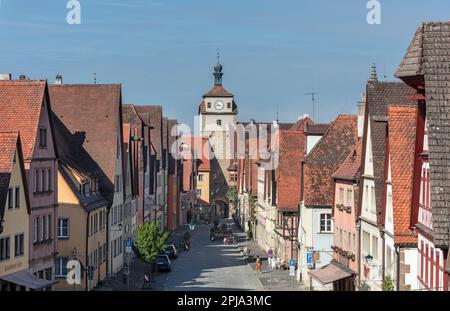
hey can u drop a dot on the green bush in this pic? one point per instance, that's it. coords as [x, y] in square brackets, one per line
[388, 284]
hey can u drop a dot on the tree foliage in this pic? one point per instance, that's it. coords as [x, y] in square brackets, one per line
[150, 241]
[232, 194]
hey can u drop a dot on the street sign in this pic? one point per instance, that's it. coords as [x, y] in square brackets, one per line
[270, 253]
[129, 246]
[292, 271]
[292, 263]
[309, 258]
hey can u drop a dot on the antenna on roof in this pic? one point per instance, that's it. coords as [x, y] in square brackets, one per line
[313, 98]
[278, 120]
[218, 56]
[95, 78]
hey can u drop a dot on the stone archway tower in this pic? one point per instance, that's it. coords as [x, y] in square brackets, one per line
[216, 111]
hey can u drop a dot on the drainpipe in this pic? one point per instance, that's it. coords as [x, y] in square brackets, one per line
[383, 271]
[87, 252]
[358, 255]
[397, 251]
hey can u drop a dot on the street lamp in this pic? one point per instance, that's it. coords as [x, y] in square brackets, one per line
[369, 259]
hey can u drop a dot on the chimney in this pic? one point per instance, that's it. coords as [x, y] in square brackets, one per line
[361, 113]
[59, 79]
[5, 76]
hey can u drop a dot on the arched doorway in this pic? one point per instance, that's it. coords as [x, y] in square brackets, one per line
[221, 209]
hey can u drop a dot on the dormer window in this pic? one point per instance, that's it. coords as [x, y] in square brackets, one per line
[42, 138]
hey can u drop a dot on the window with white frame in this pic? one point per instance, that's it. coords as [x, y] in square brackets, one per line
[50, 226]
[61, 266]
[19, 246]
[35, 181]
[42, 181]
[49, 180]
[4, 248]
[42, 138]
[17, 197]
[341, 195]
[35, 229]
[375, 248]
[63, 228]
[10, 198]
[365, 243]
[41, 229]
[325, 223]
[366, 199]
[372, 200]
[349, 197]
[44, 228]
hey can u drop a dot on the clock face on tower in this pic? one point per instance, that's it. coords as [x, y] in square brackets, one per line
[219, 105]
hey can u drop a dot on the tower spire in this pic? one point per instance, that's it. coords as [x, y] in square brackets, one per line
[218, 74]
[373, 74]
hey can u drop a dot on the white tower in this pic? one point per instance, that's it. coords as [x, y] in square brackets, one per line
[218, 110]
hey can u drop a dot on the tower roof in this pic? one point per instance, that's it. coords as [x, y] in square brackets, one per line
[218, 91]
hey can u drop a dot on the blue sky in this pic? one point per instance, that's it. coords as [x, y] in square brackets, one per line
[163, 51]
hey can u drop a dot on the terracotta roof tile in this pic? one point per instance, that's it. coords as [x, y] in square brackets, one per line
[218, 91]
[20, 108]
[428, 57]
[86, 118]
[350, 169]
[292, 150]
[8, 147]
[326, 157]
[379, 96]
[402, 137]
[152, 115]
[10, 144]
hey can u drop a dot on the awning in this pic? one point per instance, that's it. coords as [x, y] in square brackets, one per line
[27, 279]
[330, 273]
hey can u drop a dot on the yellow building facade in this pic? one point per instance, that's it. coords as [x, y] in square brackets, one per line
[82, 229]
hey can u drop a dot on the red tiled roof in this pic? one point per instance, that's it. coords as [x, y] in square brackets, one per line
[379, 96]
[152, 115]
[349, 170]
[218, 91]
[203, 156]
[292, 150]
[426, 63]
[10, 142]
[8, 146]
[326, 157]
[20, 109]
[402, 137]
[86, 118]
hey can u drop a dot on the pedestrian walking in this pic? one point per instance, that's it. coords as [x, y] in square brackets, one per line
[258, 264]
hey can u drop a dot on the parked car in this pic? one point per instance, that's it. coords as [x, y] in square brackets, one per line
[171, 251]
[163, 263]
